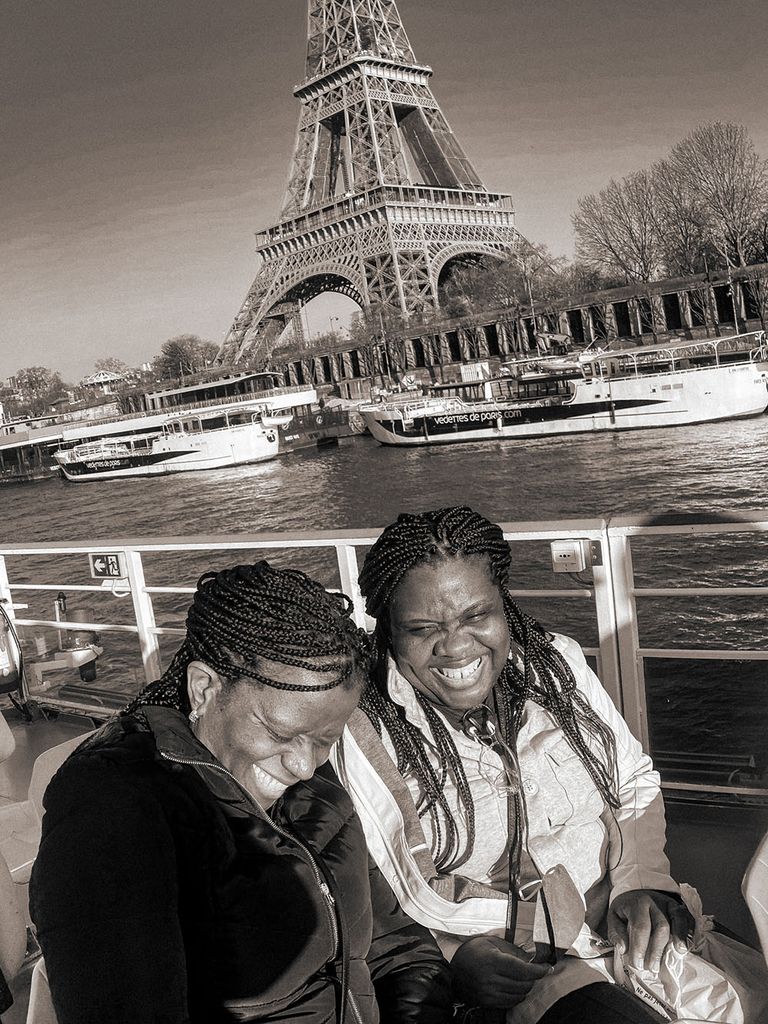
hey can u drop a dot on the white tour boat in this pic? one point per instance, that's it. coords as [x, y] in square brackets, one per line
[27, 450]
[208, 439]
[659, 386]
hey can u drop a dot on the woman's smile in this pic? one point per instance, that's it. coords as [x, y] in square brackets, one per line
[268, 784]
[465, 673]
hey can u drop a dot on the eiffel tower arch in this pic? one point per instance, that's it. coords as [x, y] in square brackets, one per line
[381, 198]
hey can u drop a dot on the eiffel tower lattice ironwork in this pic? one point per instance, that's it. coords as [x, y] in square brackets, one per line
[381, 198]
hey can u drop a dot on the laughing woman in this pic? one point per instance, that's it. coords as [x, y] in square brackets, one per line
[200, 863]
[502, 795]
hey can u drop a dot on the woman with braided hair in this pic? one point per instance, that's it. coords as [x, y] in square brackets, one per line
[501, 793]
[201, 863]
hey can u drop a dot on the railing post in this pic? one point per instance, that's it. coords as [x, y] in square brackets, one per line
[5, 588]
[144, 613]
[7, 601]
[605, 614]
[631, 671]
[346, 556]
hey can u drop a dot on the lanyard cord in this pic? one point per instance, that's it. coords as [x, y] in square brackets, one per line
[517, 820]
[478, 724]
[517, 823]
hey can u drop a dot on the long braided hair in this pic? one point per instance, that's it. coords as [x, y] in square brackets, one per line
[243, 615]
[546, 678]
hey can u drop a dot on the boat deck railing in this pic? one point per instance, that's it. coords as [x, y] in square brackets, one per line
[712, 351]
[608, 590]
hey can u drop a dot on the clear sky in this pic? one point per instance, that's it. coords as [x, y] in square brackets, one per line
[145, 141]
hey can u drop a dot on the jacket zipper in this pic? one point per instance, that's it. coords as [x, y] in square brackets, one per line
[329, 901]
[353, 1007]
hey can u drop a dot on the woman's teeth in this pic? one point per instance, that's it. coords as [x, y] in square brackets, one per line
[460, 673]
[267, 782]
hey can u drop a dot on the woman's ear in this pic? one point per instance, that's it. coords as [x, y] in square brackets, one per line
[203, 687]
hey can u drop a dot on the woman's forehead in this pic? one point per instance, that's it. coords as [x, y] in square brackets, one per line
[304, 711]
[463, 579]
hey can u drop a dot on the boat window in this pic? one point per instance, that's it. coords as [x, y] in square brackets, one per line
[214, 423]
[237, 419]
[543, 388]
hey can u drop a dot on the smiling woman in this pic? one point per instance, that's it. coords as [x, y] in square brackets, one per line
[502, 795]
[220, 869]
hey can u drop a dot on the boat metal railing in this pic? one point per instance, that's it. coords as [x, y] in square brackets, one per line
[611, 591]
[644, 361]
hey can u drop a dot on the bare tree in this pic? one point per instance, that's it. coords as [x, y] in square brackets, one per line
[758, 287]
[729, 180]
[683, 225]
[758, 241]
[617, 229]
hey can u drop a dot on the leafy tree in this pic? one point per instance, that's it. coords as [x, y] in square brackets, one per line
[37, 387]
[111, 364]
[474, 288]
[576, 278]
[182, 355]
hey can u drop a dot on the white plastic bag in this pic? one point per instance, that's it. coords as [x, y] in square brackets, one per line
[744, 967]
[718, 979]
[686, 987]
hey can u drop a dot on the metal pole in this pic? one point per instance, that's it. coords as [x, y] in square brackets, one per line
[145, 615]
[346, 556]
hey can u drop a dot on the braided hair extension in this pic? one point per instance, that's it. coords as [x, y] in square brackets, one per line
[547, 679]
[251, 612]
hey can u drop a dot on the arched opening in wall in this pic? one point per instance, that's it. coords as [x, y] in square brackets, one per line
[472, 282]
[328, 318]
[318, 313]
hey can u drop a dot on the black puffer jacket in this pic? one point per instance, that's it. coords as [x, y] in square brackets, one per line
[163, 894]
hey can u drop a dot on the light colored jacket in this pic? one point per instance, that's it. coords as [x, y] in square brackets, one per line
[604, 852]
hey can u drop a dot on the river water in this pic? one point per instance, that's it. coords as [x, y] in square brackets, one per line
[718, 467]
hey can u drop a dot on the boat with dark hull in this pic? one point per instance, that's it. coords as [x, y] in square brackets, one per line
[623, 390]
[209, 439]
[28, 449]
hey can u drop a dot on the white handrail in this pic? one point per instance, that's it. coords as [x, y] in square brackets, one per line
[612, 591]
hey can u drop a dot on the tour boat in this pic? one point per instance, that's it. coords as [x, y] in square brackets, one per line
[658, 386]
[208, 439]
[295, 413]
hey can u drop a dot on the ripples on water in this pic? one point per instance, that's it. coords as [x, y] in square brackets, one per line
[717, 467]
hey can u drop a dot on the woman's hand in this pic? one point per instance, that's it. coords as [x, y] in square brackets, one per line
[491, 972]
[643, 922]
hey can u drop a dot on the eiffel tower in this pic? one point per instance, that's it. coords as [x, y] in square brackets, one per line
[381, 198]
